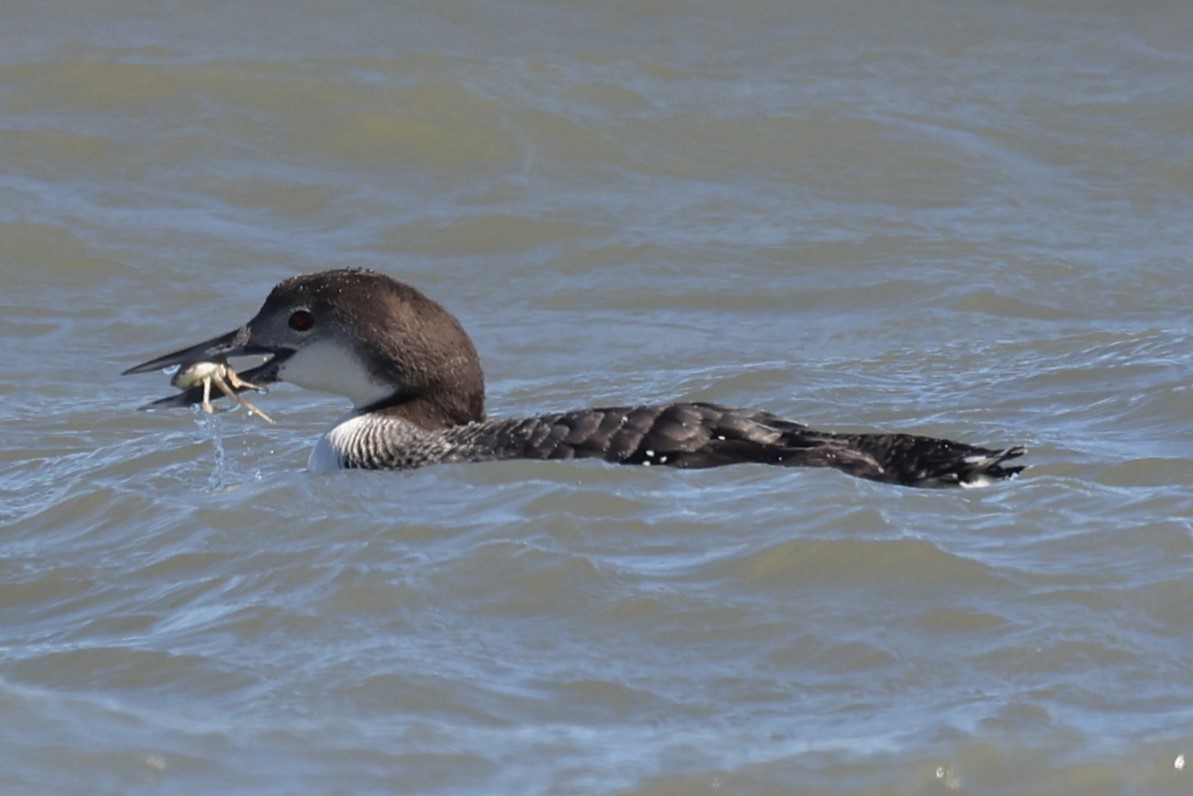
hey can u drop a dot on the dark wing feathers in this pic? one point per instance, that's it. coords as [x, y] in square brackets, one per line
[693, 435]
[928, 461]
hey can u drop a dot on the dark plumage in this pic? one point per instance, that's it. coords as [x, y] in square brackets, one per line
[698, 435]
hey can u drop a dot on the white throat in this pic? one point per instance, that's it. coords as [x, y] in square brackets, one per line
[327, 367]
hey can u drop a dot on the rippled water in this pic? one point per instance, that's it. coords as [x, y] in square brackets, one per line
[961, 219]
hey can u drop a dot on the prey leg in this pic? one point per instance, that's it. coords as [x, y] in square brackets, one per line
[207, 407]
[228, 389]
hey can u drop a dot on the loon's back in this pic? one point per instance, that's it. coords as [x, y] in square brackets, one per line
[686, 435]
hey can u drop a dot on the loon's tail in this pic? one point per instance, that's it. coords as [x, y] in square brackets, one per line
[910, 459]
[692, 435]
[931, 462]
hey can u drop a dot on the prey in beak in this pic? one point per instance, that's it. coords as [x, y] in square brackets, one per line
[202, 366]
[223, 377]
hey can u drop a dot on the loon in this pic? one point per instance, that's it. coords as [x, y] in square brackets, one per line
[415, 382]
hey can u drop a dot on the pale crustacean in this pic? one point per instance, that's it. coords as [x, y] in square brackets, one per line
[220, 374]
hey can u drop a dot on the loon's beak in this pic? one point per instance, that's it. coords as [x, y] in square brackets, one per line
[237, 343]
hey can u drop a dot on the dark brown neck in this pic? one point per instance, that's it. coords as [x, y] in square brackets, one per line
[430, 413]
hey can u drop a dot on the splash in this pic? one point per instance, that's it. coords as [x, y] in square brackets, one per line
[212, 428]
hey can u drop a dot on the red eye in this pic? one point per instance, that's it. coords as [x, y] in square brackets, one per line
[301, 320]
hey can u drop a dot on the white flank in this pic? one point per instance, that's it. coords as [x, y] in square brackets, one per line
[328, 454]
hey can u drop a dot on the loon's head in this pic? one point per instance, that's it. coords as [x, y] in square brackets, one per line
[359, 334]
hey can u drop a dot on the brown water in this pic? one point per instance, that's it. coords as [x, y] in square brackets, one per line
[966, 219]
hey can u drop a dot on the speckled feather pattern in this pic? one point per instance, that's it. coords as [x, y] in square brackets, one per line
[687, 435]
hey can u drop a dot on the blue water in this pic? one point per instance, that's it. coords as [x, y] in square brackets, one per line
[967, 221]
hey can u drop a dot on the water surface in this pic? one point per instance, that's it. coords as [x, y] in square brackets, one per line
[968, 220]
